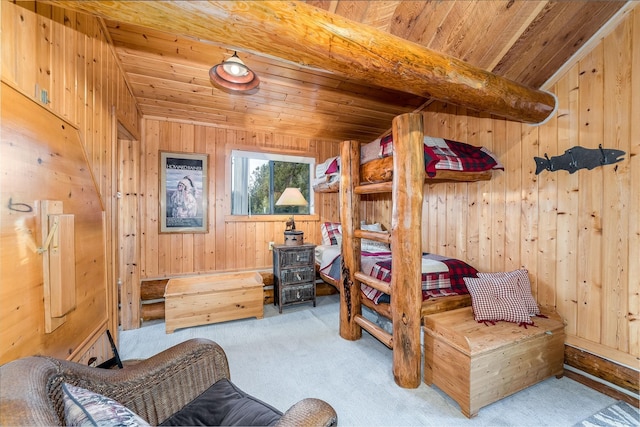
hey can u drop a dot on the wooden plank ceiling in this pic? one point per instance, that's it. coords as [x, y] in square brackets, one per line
[524, 41]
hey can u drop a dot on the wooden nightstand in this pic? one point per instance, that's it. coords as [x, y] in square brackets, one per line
[294, 275]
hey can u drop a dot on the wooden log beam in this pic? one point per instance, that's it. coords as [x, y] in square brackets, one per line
[152, 311]
[152, 289]
[378, 236]
[406, 241]
[383, 336]
[378, 171]
[609, 371]
[450, 302]
[378, 284]
[350, 295]
[311, 37]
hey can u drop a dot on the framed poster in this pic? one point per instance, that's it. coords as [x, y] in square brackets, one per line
[183, 192]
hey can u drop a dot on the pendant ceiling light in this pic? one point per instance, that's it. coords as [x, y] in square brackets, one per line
[232, 74]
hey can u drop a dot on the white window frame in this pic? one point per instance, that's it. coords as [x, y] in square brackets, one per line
[267, 156]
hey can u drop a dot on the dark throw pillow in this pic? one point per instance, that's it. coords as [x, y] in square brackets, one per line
[224, 404]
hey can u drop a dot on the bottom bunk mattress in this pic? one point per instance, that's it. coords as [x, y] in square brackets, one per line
[441, 275]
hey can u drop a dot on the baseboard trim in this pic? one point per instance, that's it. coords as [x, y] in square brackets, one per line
[608, 377]
[600, 386]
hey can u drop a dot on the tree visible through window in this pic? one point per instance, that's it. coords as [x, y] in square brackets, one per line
[260, 178]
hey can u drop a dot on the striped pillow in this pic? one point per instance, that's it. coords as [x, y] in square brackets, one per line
[497, 299]
[331, 233]
[86, 408]
[523, 284]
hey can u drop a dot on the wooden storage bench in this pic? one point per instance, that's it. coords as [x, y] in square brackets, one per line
[199, 300]
[478, 364]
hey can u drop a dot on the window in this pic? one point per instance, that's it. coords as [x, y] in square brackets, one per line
[258, 180]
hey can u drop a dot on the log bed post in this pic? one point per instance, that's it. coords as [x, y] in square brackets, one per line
[350, 305]
[406, 245]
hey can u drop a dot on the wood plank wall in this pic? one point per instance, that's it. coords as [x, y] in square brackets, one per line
[68, 55]
[231, 243]
[577, 234]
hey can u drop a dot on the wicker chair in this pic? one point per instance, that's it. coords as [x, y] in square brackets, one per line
[155, 388]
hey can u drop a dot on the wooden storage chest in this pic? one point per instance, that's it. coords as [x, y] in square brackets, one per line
[199, 300]
[478, 364]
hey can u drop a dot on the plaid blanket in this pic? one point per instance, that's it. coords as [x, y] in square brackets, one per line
[441, 276]
[445, 154]
[448, 280]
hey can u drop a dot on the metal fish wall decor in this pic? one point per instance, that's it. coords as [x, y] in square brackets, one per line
[579, 158]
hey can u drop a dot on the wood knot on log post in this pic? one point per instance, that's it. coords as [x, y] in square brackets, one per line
[405, 319]
[346, 288]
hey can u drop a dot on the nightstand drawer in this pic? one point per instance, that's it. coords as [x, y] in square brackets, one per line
[296, 257]
[297, 275]
[298, 293]
[294, 275]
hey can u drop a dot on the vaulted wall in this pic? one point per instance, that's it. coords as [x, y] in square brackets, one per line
[63, 62]
[577, 234]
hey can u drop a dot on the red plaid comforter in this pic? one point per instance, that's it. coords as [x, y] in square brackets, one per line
[433, 284]
[445, 154]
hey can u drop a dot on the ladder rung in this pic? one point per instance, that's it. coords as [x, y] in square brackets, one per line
[378, 236]
[379, 187]
[373, 282]
[383, 336]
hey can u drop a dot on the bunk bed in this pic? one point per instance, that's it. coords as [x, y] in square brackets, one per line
[442, 278]
[404, 175]
[445, 161]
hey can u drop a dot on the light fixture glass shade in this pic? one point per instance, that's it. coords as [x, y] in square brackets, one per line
[235, 66]
[232, 74]
[291, 197]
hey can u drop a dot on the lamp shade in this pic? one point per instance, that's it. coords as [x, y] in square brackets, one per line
[291, 197]
[234, 75]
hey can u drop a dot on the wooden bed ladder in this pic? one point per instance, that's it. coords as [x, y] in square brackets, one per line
[406, 244]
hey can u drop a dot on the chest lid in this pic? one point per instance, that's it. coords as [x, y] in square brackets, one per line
[459, 329]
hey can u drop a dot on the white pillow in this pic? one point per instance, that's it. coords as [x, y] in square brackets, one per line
[369, 245]
[371, 227]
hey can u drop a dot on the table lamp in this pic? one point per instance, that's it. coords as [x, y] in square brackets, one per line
[292, 197]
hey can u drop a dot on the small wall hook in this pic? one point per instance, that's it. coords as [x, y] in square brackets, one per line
[549, 164]
[603, 160]
[573, 164]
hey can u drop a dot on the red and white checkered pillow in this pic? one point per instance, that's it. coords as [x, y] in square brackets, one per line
[331, 233]
[523, 284]
[497, 299]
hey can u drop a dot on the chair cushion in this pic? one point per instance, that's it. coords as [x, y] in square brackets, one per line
[224, 404]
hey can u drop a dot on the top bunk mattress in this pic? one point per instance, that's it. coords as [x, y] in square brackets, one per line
[439, 154]
[445, 160]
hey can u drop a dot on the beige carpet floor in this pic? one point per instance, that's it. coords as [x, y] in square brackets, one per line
[299, 353]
